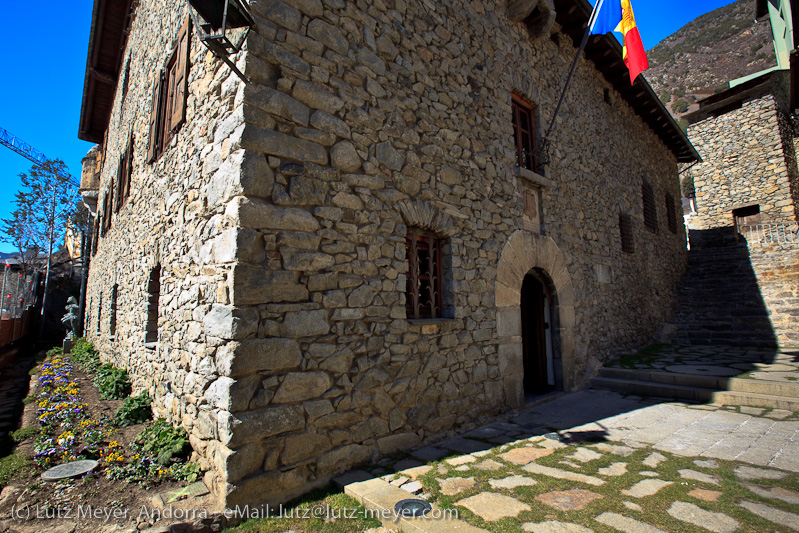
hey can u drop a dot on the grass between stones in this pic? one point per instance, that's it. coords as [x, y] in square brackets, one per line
[652, 509]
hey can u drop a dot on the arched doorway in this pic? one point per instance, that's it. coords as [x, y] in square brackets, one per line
[523, 255]
[537, 353]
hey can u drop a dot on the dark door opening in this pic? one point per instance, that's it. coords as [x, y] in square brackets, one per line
[534, 337]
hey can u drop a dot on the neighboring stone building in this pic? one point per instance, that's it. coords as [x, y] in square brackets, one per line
[350, 254]
[748, 173]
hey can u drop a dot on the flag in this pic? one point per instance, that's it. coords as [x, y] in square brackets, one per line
[608, 18]
[618, 16]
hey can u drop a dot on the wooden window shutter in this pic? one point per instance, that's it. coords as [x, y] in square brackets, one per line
[153, 148]
[121, 171]
[128, 169]
[181, 76]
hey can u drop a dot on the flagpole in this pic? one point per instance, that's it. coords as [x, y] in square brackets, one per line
[588, 28]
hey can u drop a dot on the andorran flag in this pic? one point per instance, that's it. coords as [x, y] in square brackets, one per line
[618, 16]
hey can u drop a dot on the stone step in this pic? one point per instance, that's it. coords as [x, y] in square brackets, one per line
[649, 388]
[755, 386]
[695, 394]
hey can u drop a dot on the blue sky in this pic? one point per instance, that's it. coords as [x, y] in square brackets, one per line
[43, 63]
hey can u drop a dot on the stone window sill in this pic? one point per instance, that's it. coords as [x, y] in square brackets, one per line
[533, 177]
[431, 326]
[151, 345]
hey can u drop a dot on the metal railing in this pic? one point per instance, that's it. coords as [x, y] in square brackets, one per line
[777, 233]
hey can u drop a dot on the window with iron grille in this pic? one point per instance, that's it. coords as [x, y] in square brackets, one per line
[169, 99]
[650, 211]
[671, 213]
[524, 133]
[626, 233]
[423, 289]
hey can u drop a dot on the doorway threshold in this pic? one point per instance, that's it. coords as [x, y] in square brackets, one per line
[534, 400]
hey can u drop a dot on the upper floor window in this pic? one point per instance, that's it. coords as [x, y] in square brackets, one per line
[671, 213]
[423, 289]
[124, 171]
[650, 211]
[169, 101]
[626, 233]
[524, 133]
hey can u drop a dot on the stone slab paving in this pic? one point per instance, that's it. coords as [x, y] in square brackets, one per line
[655, 460]
[774, 493]
[626, 524]
[695, 515]
[553, 526]
[771, 514]
[646, 487]
[568, 500]
[491, 507]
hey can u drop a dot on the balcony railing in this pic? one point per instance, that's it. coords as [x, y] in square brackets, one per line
[777, 233]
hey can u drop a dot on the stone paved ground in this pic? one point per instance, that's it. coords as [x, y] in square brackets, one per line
[600, 461]
[721, 361]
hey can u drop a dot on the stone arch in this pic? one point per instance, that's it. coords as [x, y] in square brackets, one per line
[524, 253]
[424, 214]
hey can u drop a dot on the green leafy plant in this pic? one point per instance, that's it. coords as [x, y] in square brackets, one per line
[113, 382]
[134, 410]
[165, 442]
[190, 471]
[13, 465]
[25, 433]
[84, 354]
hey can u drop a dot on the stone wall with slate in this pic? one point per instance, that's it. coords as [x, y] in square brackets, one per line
[173, 212]
[748, 159]
[776, 267]
[279, 217]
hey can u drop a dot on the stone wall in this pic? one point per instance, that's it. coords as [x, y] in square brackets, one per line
[171, 214]
[279, 214]
[776, 267]
[748, 159]
[375, 117]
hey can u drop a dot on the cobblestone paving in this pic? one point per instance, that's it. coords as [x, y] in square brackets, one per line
[599, 461]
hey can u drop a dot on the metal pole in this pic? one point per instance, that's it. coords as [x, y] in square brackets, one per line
[84, 273]
[588, 28]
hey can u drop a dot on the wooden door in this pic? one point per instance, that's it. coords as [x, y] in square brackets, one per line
[534, 336]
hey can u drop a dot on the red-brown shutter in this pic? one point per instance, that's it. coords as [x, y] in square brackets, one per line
[181, 76]
[154, 142]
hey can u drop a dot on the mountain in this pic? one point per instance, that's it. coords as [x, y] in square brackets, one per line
[702, 56]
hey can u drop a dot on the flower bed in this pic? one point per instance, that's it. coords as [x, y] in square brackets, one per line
[70, 433]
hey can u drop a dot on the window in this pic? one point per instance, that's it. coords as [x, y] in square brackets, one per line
[423, 289]
[112, 327]
[671, 213]
[524, 133]
[169, 99]
[96, 232]
[153, 295]
[626, 233]
[107, 204]
[124, 171]
[650, 211]
[100, 313]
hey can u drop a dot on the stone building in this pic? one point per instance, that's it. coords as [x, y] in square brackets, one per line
[358, 250]
[748, 174]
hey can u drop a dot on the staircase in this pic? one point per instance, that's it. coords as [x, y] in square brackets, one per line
[719, 301]
[726, 391]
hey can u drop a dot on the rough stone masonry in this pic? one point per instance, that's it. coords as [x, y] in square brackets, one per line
[278, 215]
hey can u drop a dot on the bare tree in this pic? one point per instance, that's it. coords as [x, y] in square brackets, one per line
[44, 206]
